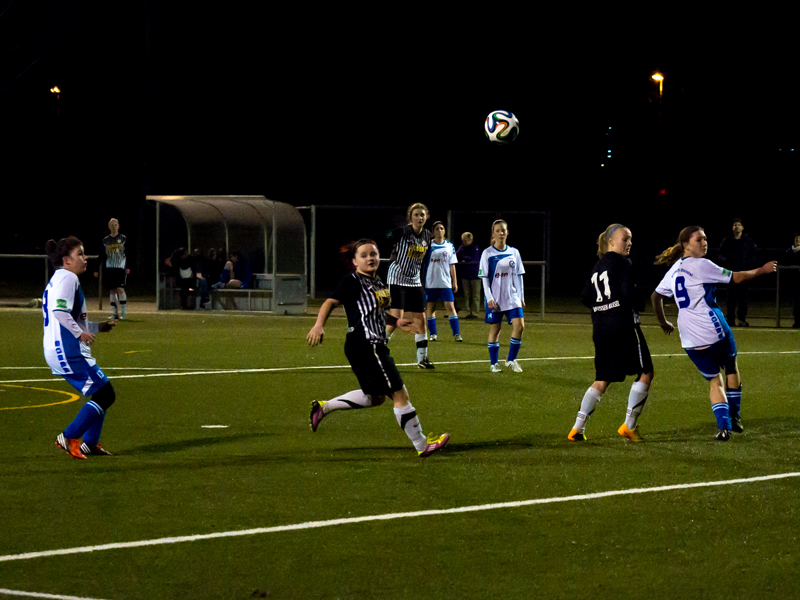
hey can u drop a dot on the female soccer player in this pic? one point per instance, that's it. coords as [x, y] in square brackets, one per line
[67, 337]
[705, 335]
[115, 271]
[441, 283]
[619, 346]
[501, 271]
[411, 248]
[365, 298]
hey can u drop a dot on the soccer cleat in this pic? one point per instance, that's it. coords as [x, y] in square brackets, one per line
[457, 337]
[736, 425]
[434, 444]
[94, 450]
[71, 446]
[317, 414]
[723, 435]
[630, 434]
[576, 436]
[425, 364]
[496, 368]
[433, 338]
[514, 366]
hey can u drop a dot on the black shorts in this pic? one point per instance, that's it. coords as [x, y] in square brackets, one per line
[113, 278]
[373, 366]
[622, 354]
[408, 298]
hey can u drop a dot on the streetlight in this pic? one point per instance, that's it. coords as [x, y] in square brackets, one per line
[660, 79]
[55, 90]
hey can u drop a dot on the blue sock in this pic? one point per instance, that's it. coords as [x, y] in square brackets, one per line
[513, 348]
[722, 414]
[432, 326]
[494, 352]
[92, 435]
[734, 397]
[454, 325]
[87, 415]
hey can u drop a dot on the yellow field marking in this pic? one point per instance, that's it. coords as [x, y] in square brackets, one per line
[72, 397]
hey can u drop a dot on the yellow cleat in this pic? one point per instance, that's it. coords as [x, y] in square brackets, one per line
[631, 434]
[576, 436]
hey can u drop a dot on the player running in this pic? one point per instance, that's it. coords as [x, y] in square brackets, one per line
[366, 298]
[619, 345]
[705, 334]
[67, 337]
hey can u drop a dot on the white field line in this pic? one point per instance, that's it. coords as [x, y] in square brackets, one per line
[5, 592]
[387, 517]
[194, 373]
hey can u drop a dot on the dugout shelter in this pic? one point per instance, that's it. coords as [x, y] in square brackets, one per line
[271, 235]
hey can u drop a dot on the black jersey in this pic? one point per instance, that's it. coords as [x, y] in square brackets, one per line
[365, 301]
[410, 251]
[114, 248]
[610, 293]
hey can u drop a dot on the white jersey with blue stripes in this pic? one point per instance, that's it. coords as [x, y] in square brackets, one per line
[502, 272]
[692, 282]
[64, 352]
[442, 256]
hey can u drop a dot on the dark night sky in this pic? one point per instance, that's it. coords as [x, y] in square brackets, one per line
[200, 98]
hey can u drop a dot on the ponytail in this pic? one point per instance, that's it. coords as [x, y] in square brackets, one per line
[603, 239]
[671, 255]
[56, 251]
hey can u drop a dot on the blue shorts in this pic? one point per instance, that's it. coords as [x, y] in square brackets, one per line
[496, 316]
[87, 382]
[715, 358]
[443, 294]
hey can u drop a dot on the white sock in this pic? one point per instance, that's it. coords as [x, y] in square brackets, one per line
[588, 404]
[409, 423]
[636, 400]
[348, 401]
[123, 304]
[422, 346]
[113, 300]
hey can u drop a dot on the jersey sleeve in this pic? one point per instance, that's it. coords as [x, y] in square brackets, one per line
[345, 290]
[62, 295]
[713, 273]
[665, 286]
[483, 271]
[520, 266]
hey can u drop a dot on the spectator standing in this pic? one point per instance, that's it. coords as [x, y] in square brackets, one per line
[469, 258]
[737, 252]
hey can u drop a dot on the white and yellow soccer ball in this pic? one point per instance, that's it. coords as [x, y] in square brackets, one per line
[501, 127]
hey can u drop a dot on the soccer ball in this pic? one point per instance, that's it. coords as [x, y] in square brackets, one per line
[501, 127]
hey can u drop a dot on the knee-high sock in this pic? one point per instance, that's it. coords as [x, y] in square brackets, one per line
[87, 415]
[513, 348]
[409, 422]
[422, 346]
[112, 298]
[432, 326]
[636, 400]
[123, 303]
[494, 352]
[588, 404]
[722, 414]
[734, 397]
[350, 400]
[454, 325]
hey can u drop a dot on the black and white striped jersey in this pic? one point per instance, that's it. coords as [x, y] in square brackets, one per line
[114, 247]
[410, 252]
[365, 301]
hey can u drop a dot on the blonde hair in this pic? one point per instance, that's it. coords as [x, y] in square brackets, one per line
[605, 237]
[414, 207]
[497, 222]
[467, 235]
[671, 255]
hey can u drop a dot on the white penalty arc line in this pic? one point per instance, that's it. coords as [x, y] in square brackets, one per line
[193, 373]
[387, 517]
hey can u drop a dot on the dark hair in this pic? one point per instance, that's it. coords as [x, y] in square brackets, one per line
[56, 251]
[348, 252]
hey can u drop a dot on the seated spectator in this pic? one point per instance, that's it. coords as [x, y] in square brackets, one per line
[236, 274]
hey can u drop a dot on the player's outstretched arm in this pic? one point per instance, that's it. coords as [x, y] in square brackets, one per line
[658, 307]
[740, 276]
[317, 332]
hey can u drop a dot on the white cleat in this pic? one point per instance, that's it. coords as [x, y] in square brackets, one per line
[514, 366]
[496, 368]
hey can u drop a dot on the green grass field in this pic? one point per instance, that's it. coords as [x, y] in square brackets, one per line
[263, 508]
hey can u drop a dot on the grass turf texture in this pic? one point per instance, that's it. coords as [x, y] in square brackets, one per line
[171, 477]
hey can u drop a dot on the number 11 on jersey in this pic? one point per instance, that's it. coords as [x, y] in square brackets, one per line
[606, 288]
